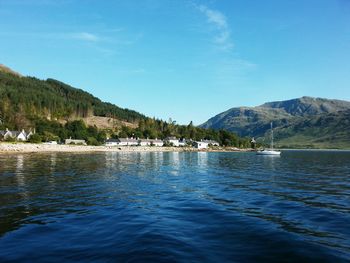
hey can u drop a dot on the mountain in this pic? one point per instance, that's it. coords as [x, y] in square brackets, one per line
[302, 122]
[307, 106]
[25, 98]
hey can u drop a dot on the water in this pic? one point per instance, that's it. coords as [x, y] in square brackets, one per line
[175, 207]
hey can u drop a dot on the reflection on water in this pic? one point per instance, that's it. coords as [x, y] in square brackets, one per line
[202, 159]
[19, 171]
[175, 206]
[20, 178]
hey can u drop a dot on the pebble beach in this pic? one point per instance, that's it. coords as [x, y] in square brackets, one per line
[32, 148]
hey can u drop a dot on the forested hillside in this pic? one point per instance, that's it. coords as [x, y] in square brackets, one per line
[58, 111]
[25, 98]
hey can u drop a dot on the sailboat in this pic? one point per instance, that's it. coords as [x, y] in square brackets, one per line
[270, 151]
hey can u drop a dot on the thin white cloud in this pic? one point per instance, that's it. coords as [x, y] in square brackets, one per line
[214, 16]
[219, 21]
[86, 37]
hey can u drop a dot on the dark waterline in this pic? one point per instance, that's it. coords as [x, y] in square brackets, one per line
[175, 207]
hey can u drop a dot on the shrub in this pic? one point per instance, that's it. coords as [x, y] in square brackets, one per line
[92, 141]
[35, 138]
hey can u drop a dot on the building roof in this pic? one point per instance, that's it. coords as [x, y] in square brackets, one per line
[75, 140]
[200, 142]
[210, 141]
[127, 140]
[14, 133]
[112, 140]
[150, 140]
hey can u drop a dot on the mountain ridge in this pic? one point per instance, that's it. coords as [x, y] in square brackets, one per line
[295, 117]
[308, 105]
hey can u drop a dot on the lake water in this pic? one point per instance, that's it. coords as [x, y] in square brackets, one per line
[175, 207]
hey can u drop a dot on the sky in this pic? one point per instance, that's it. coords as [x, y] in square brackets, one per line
[182, 59]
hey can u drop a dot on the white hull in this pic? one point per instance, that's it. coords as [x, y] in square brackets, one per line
[268, 152]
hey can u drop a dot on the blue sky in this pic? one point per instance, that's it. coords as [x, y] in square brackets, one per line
[184, 59]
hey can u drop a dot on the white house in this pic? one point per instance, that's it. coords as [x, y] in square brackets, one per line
[6, 134]
[21, 136]
[201, 145]
[172, 140]
[182, 142]
[128, 142]
[211, 142]
[151, 142]
[122, 142]
[17, 135]
[158, 142]
[112, 142]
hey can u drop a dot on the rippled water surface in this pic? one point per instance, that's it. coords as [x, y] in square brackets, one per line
[175, 207]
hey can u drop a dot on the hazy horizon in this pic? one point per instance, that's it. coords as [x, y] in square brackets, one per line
[185, 60]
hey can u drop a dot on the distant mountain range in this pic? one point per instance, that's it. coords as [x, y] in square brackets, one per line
[303, 122]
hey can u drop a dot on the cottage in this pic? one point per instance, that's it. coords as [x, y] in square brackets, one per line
[201, 145]
[17, 135]
[122, 142]
[20, 136]
[5, 134]
[172, 140]
[182, 142]
[74, 141]
[151, 142]
[112, 142]
[128, 142]
[157, 142]
[211, 142]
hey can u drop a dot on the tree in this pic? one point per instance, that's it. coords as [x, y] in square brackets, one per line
[35, 138]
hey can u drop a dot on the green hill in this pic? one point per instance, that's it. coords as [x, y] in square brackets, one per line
[25, 98]
[304, 122]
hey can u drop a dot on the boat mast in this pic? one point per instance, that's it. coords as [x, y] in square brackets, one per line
[271, 137]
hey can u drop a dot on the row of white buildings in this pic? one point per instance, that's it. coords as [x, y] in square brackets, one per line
[173, 141]
[15, 135]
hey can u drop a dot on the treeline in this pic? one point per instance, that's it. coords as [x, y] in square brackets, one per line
[54, 131]
[149, 128]
[25, 97]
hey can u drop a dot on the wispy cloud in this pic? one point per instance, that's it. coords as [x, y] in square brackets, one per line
[85, 37]
[53, 35]
[227, 68]
[219, 21]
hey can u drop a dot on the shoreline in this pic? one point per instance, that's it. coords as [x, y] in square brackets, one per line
[47, 148]
[63, 148]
